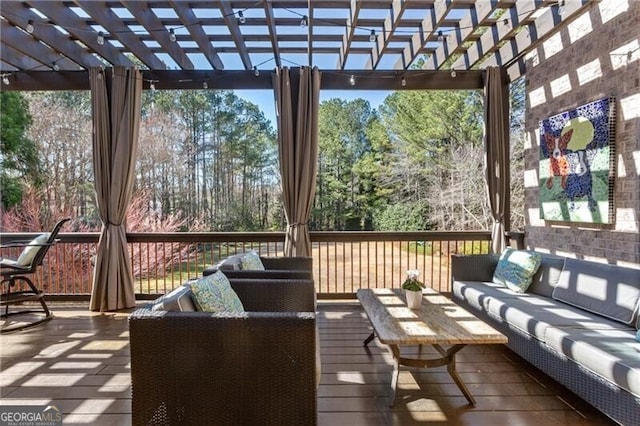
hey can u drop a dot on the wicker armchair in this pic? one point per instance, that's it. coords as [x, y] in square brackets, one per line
[196, 368]
[274, 268]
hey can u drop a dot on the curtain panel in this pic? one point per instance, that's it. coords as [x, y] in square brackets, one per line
[496, 139]
[115, 102]
[297, 96]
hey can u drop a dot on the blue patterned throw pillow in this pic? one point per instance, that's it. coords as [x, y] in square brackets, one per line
[213, 293]
[516, 269]
[251, 260]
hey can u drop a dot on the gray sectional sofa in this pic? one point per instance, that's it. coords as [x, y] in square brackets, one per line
[577, 322]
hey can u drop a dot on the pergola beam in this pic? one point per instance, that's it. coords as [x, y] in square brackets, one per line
[245, 79]
[232, 24]
[78, 28]
[19, 15]
[273, 34]
[382, 40]
[33, 49]
[474, 17]
[435, 17]
[524, 42]
[107, 19]
[349, 34]
[192, 24]
[154, 26]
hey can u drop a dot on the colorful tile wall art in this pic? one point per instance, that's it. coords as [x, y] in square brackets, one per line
[577, 164]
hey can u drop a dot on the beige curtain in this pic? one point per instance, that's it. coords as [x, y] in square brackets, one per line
[496, 119]
[297, 99]
[115, 101]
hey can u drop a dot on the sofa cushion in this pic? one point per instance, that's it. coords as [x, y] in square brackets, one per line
[608, 290]
[213, 293]
[233, 263]
[32, 249]
[179, 299]
[251, 260]
[516, 268]
[535, 314]
[547, 276]
[612, 354]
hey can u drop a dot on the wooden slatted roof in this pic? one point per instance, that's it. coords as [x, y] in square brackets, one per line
[52, 44]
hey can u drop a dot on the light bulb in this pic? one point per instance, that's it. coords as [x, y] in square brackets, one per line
[256, 71]
[100, 38]
[303, 21]
[372, 36]
[352, 80]
[172, 34]
[403, 82]
[440, 36]
[453, 72]
[30, 26]
[5, 80]
[241, 17]
[205, 85]
[152, 86]
[55, 67]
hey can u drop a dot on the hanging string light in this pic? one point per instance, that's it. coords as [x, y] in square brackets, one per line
[453, 73]
[172, 35]
[55, 66]
[30, 26]
[5, 80]
[241, 17]
[440, 36]
[403, 82]
[100, 38]
[256, 71]
[372, 36]
[352, 80]
[304, 21]
[205, 85]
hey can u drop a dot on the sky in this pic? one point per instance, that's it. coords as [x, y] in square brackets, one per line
[264, 98]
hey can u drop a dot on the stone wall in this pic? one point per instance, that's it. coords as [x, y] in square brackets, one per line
[596, 55]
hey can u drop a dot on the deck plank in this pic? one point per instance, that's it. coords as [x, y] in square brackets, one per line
[79, 362]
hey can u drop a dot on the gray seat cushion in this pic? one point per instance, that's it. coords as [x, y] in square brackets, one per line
[609, 290]
[534, 315]
[612, 354]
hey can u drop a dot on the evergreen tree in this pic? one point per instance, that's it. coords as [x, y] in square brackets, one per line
[19, 163]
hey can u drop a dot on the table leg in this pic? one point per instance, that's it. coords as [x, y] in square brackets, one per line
[396, 372]
[448, 358]
[368, 339]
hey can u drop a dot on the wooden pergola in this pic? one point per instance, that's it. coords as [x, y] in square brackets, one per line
[193, 44]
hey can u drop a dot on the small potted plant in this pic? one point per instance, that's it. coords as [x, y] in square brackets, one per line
[413, 289]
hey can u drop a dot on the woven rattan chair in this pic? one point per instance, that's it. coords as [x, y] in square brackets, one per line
[274, 268]
[18, 270]
[252, 368]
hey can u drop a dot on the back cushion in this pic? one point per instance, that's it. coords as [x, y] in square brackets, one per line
[547, 276]
[32, 249]
[609, 290]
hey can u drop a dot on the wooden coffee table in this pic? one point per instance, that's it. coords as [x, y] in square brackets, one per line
[438, 322]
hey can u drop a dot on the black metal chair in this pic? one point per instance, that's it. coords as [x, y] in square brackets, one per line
[16, 270]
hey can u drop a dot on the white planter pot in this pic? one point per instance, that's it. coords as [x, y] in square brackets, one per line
[414, 299]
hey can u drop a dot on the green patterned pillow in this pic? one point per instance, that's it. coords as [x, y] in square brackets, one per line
[516, 269]
[251, 260]
[213, 293]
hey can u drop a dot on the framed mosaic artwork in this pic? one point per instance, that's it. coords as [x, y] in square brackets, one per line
[577, 159]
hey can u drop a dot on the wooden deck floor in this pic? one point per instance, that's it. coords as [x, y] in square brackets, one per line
[79, 362]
